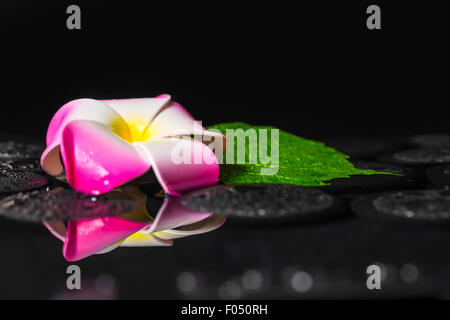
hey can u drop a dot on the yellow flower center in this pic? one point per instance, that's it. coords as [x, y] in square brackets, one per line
[134, 131]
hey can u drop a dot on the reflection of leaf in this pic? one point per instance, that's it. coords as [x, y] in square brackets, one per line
[301, 161]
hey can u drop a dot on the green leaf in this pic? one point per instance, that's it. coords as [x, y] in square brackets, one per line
[301, 161]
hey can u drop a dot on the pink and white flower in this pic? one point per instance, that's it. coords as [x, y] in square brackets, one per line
[106, 143]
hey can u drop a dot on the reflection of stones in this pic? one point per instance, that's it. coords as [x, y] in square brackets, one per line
[15, 177]
[430, 140]
[301, 281]
[102, 287]
[431, 206]
[230, 289]
[409, 273]
[253, 279]
[423, 156]
[15, 150]
[294, 281]
[259, 201]
[64, 204]
[186, 282]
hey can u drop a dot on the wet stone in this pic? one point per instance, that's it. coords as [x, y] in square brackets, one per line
[64, 204]
[361, 147]
[400, 177]
[14, 178]
[439, 175]
[435, 140]
[32, 165]
[11, 150]
[419, 156]
[422, 206]
[263, 202]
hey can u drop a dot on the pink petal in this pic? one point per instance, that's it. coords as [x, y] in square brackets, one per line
[89, 236]
[181, 164]
[81, 109]
[97, 160]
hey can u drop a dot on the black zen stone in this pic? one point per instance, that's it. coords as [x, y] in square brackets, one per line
[439, 175]
[361, 147]
[417, 206]
[418, 156]
[64, 204]
[15, 178]
[400, 177]
[264, 202]
[31, 164]
[434, 140]
[11, 150]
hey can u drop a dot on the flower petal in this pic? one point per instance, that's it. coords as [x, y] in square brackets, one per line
[139, 239]
[56, 228]
[181, 164]
[88, 236]
[97, 160]
[111, 247]
[209, 224]
[172, 215]
[81, 109]
[174, 121]
[138, 113]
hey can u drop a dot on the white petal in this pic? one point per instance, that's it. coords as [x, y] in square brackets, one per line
[173, 214]
[139, 239]
[139, 112]
[111, 247]
[209, 224]
[175, 121]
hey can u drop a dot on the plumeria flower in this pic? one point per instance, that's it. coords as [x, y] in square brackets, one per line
[85, 237]
[106, 143]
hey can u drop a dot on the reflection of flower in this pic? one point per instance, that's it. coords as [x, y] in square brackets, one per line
[85, 237]
[104, 144]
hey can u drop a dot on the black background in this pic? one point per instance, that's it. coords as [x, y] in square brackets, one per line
[311, 68]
